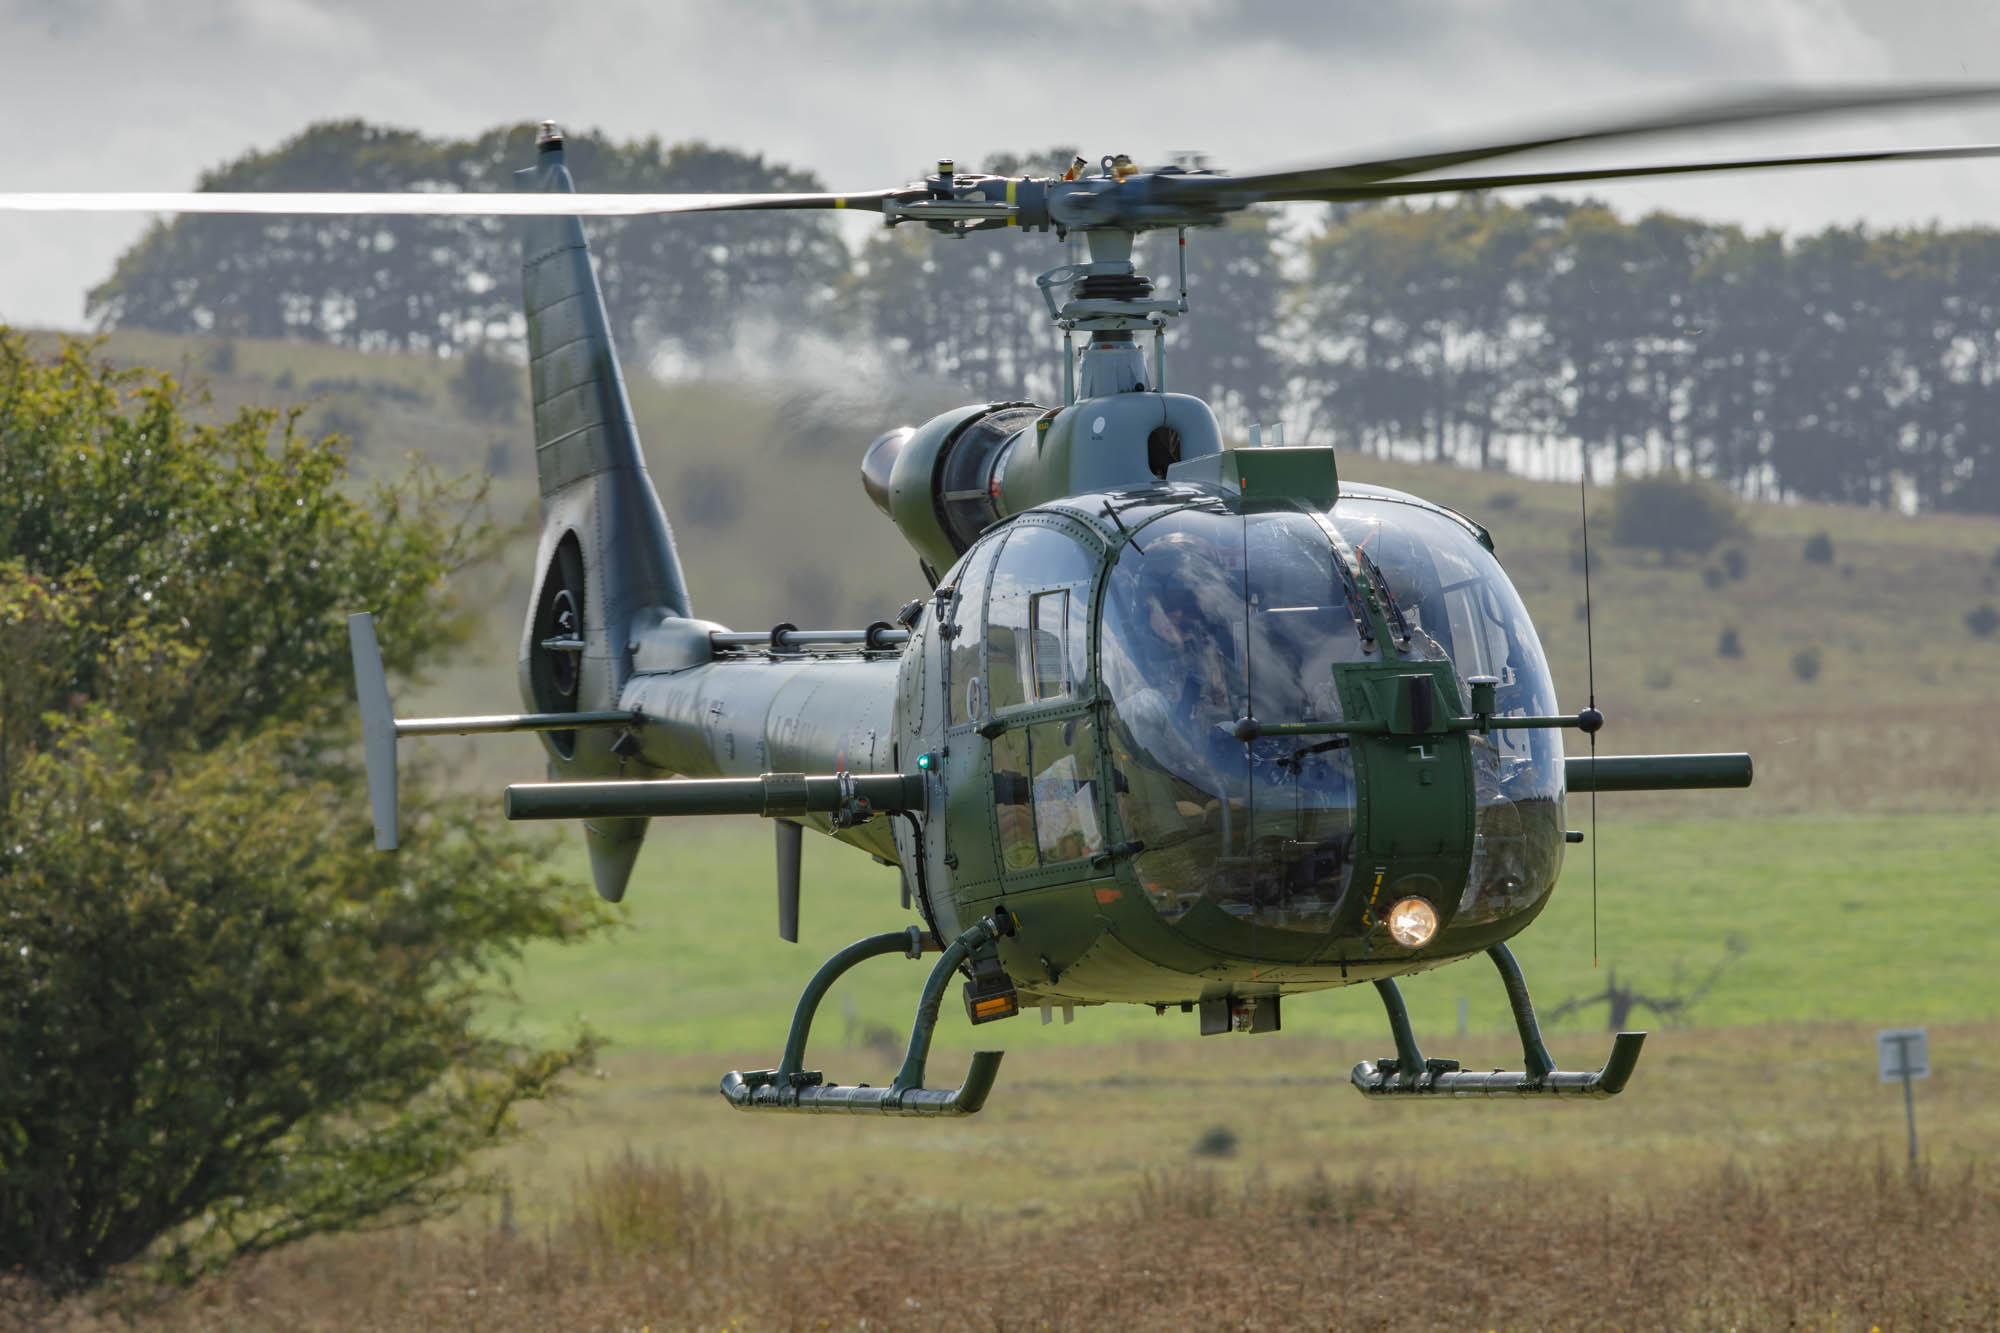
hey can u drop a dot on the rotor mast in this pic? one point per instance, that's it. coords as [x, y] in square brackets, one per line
[1111, 300]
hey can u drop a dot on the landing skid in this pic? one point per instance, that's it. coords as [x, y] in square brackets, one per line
[1409, 1074]
[792, 1088]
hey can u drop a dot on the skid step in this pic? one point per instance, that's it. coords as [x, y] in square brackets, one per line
[1443, 1078]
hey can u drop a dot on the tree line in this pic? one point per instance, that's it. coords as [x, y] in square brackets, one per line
[1850, 365]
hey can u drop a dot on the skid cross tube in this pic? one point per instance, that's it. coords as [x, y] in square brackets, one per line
[791, 1088]
[1409, 1074]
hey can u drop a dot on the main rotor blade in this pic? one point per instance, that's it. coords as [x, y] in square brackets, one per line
[1459, 184]
[414, 204]
[1314, 183]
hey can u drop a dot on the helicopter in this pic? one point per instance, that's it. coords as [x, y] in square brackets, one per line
[1169, 722]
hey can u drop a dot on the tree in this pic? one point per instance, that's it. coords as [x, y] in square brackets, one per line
[1672, 512]
[1673, 1005]
[448, 283]
[965, 308]
[224, 1022]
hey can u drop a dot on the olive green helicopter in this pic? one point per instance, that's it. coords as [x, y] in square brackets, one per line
[1171, 722]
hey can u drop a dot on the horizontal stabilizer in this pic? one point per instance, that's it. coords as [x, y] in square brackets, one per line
[380, 727]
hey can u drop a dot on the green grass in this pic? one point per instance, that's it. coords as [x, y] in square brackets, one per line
[1866, 918]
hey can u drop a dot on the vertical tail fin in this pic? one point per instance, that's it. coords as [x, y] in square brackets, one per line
[607, 561]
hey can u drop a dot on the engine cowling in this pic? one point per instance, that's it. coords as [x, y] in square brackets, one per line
[948, 480]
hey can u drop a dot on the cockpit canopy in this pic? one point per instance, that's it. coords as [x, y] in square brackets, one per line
[1201, 611]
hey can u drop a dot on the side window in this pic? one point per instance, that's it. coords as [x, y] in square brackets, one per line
[1006, 638]
[968, 608]
[1048, 618]
[1037, 619]
[1063, 757]
[1012, 794]
[1045, 794]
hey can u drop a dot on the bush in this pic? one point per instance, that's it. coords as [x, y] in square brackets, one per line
[1729, 643]
[1672, 513]
[1819, 549]
[227, 1024]
[1983, 620]
[1711, 578]
[1736, 563]
[1805, 664]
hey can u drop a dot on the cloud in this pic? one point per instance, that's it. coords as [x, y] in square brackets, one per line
[124, 93]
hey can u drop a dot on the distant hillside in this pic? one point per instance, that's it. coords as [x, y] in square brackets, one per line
[762, 485]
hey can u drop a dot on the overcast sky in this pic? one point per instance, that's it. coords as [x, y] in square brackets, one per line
[137, 94]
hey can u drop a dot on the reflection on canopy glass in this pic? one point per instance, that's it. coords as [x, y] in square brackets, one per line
[1212, 615]
[1221, 611]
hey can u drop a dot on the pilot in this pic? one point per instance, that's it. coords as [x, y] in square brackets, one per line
[1196, 652]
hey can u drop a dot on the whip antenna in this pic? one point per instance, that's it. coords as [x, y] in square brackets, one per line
[1590, 711]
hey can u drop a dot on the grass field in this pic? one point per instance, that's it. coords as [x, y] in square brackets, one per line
[1865, 918]
[1851, 888]
[1748, 1179]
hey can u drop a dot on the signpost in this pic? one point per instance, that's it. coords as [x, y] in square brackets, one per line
[1904, 1053]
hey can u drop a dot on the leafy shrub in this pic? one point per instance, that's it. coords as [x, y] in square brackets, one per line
[1216, 1141]
[1729, 643]
[1805, 664]
[227, 1024]
[1672, 513]
[1711, 578]
[1982, 620]
[1819, 549]
[1736, 562]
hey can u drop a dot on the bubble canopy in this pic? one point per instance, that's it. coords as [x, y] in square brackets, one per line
[1220, 609]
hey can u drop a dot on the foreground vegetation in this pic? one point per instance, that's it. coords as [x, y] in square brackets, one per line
[1833, 1236]
[224, 1022]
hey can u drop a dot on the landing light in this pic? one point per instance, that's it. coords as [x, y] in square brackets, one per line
[1412, 923]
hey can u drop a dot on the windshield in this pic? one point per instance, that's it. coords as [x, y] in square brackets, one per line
[1223, 611]
[1212, 615]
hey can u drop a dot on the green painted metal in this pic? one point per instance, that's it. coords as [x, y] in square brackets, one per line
[1409, 1060]
[909, 942]
[1415, 799]
[1534, 1054]
[1306, 473]
[768, 794]
[790, 1088]
[1383, 1079]
[1656, 772]
[1409, 1074]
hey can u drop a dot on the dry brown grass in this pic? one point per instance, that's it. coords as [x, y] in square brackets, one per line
[1825, 1238]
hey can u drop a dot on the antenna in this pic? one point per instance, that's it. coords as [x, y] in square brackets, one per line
[1590, 711]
